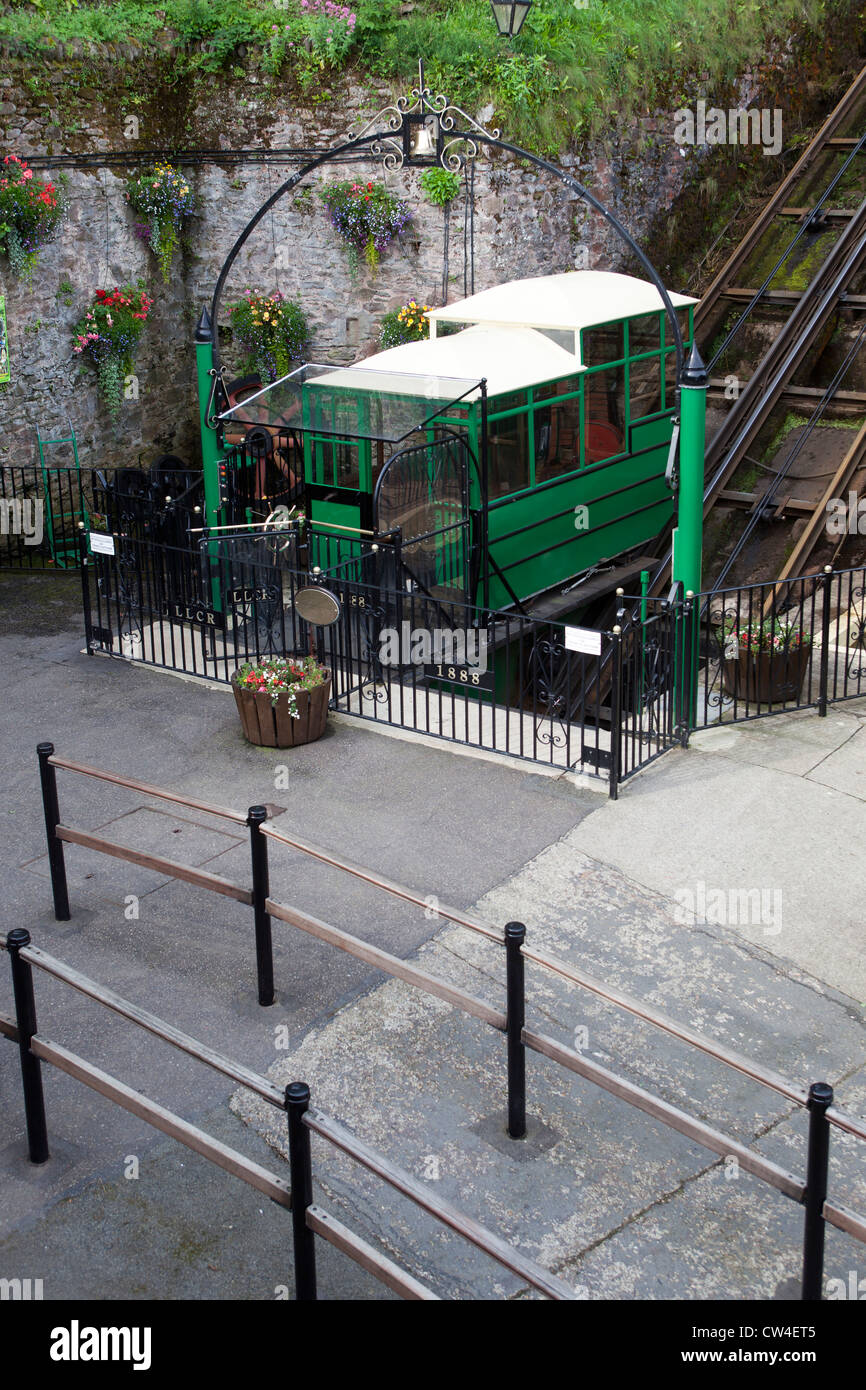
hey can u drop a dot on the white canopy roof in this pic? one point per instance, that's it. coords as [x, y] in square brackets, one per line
[510, 359]
[576, 299]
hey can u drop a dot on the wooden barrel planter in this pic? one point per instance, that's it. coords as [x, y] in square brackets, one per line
[766, 678]
[272, 726]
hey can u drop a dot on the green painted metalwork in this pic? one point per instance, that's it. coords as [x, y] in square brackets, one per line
[61, 526]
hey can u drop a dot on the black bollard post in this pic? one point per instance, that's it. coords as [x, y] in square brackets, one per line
[301, 1171]
[817, 1165]
[261, 888]
[48, 778]
[31, 1067]
[515, 934]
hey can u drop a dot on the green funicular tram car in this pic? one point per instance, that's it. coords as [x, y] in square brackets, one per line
[515, 461]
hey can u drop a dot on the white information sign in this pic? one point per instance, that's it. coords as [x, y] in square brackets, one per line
[100, 543]
[583, 639]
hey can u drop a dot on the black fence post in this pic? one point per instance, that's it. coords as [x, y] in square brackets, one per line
[825, 641]
[31, 1067]
[301, 1174]
[48, 778]
[615, 711]
[515, 935]
[83, 559]
[261, 888]
[817, 1164]
[688, 629]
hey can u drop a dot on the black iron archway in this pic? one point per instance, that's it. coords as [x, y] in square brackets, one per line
[453, 147]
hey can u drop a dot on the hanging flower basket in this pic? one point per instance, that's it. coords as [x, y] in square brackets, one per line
[407, 325]
[30, 214]
[366, 216]
[272, 331]
[283, 701]
[107, 335]
[163, 198]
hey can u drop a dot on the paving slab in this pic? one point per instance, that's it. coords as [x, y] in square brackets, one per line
[699, 823]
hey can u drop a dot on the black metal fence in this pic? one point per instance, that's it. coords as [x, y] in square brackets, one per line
[40, 511]
[399, 655]
[44, 509]
[770, 648]
[412, 655]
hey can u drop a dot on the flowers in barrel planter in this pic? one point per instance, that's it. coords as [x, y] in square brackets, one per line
[366, 216]
[271, 330]
[282, 675]
[769, 635]
[108, 333]
[283, 701]
[163, 198]
[764, 662]
[31, 211]
[407, 325]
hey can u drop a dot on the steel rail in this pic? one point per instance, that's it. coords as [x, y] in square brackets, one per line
[767, 383]
[810, 534]
[791, 345]
[856, 91]
[763, 292]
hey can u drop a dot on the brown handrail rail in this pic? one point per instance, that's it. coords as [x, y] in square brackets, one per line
[391, 965]
[764, 1076]
[443, 1210]
[253, 1173]
[133, 784]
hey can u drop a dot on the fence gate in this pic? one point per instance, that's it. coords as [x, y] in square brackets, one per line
[651, 682]
[423, 492]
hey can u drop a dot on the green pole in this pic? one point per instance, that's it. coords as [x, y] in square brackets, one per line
[689, 533]
[211, 454]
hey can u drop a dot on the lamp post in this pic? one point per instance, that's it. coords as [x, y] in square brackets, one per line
[510, 16]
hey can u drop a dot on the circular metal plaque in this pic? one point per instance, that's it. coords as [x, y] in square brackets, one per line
[317, 606]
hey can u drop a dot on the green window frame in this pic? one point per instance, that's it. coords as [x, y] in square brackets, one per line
[665, 354]
[530, 403]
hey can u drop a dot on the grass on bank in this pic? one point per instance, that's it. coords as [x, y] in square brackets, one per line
[574, 67]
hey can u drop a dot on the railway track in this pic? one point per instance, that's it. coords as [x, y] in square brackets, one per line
[726, 284]
[811, 313]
